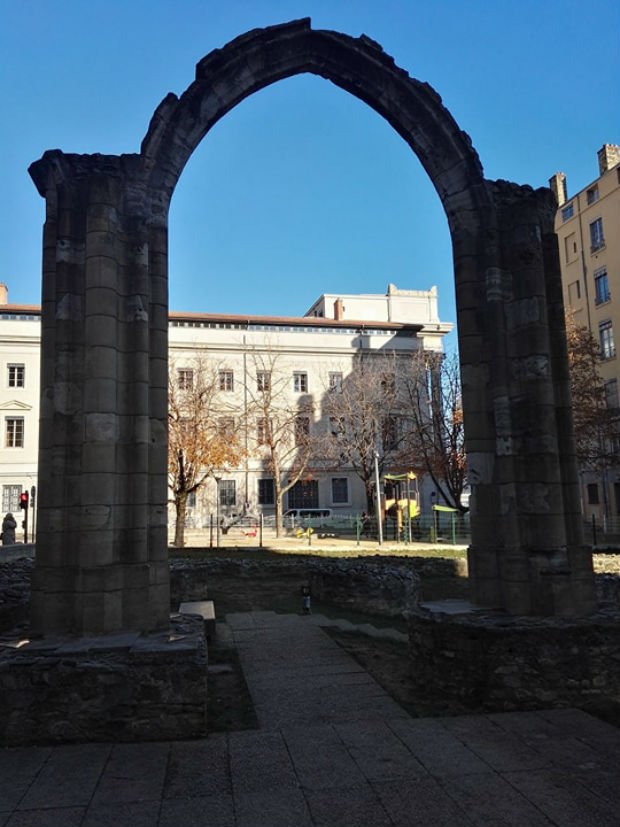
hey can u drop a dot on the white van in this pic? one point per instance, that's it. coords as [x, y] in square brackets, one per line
[313, 516]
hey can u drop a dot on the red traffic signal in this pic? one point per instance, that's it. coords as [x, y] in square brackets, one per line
[23, 500]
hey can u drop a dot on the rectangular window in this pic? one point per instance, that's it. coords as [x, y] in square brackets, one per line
[593, 493]
[592, 195]
[336, 426]
[570, 248]
[302, 429]
[263, 380]
[567, 212]
[10, 498]
[300, 382]
[335, 382]
[227, 380]
[185, 379]
[389, 433]
[388, 384]
[601, 286]
[304, 494]
[17, 376]
[340, 490]
[15, 432]
[266, 495]
[597, 238]
[574, 292]
[262, 430]
[228, 492]
[611, 393]
[226, 426]
[606, 339]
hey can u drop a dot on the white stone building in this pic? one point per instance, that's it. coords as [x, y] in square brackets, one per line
[315, 351]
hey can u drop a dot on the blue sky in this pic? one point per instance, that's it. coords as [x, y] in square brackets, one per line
[301, 189]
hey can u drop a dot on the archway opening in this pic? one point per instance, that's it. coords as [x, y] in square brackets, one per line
[301, 189]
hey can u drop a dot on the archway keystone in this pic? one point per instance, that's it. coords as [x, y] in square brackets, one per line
[102, 543]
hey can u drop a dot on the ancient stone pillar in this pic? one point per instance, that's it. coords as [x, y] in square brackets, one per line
[527, 552]
[101, 561]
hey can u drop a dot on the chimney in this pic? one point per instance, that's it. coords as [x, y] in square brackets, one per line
[4, 294]
[338, 309]
[557, 183]
[608, 157]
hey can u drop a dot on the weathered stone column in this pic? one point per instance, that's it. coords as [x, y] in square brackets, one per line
[101, 548]
[536, 563]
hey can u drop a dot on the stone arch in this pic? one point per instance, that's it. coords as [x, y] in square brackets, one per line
[102, 562]
[359, 66]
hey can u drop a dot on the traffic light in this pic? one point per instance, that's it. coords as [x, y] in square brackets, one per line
[23, 500]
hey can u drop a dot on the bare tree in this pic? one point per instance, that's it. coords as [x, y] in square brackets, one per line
[366, 419]
[436, 439]
[202, 435]
[283, 414]
[595, 409]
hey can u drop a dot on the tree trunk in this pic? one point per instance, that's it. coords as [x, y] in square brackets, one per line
[180, 503]
[278, 515]
[277, 490]
[370, 497]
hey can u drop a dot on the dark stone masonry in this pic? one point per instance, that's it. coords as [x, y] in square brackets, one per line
[125, 687]
[497, 662]
[102, 559]
[102, 562]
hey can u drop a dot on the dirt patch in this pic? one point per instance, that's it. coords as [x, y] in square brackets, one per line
[230, 706]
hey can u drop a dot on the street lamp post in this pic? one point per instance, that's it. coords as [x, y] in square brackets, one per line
[217, 511]
[378, 499]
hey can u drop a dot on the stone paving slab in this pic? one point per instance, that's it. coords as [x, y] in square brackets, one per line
[134, 772]
[68, 778]
[199, 769]
[347, 807]
[334, 750]
[18, 769]
[563, 799]
[54, 817]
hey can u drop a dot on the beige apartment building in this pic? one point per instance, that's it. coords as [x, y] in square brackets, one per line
[314, 352]
[588, 229]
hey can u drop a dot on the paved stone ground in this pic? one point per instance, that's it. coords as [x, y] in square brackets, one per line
[333, 750]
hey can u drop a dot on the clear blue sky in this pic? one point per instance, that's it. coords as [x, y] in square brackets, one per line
[301, 189]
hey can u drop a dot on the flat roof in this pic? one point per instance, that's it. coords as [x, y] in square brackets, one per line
[248, 319]
[291, 321]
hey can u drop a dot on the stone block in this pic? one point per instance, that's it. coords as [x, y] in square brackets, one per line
[498, 662]
[100, 456]
[107, 689]
[100, 395]
[101, 331]
[204, 609]
[102, 301]
[101, 427]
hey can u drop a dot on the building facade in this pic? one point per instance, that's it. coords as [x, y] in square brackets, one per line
[309, 356]
[588, 230]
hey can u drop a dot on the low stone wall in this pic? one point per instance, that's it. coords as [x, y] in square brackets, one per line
[15, 574]
[492, 661]
[381, 589]
[439, 577]
[377, 587]
[127, 687]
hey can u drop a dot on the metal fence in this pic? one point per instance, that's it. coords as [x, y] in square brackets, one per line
[429, 528]
[602, 531]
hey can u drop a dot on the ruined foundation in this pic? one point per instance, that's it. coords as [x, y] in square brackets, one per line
[492, 661]
[125, 687]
